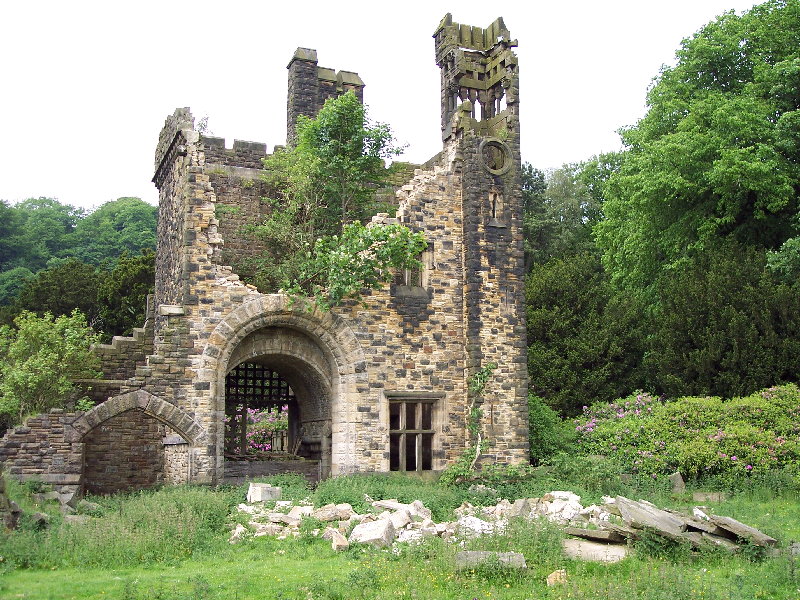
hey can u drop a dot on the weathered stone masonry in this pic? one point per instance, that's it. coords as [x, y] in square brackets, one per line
[361, 374]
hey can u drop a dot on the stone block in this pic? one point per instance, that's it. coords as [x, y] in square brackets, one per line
[376, 533]
[262, 492]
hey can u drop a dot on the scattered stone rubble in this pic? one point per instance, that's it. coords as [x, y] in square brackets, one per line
[598, 533]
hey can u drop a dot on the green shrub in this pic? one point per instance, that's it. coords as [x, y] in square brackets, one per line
[700, 437]
[548, 434]
[352, 489]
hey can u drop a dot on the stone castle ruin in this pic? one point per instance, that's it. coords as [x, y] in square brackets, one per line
[375, 388]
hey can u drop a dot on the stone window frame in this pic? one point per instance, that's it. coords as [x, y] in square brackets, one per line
[398, 458]
[415, 282]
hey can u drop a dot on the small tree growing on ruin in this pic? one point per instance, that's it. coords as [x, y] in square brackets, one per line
[325, 186]
[39, 361]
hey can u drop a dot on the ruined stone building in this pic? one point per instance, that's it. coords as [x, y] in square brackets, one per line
[379, 387]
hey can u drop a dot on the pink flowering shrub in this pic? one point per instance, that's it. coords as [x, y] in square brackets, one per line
[264, 427]
[697, 436]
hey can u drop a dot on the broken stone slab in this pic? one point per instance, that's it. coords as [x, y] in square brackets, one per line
[339, 542]
[298, 512]
[267, 528]
[740, 530]
[468, 559]
[678, 484]
[376, 533]
[262, 492]
[720, 542]
[599, 535]
[473, 526]
[410, 536]
[239, 532]
[709, 496]
[628, 533]
[594, 551]
[400, 518]
[326, 514]
[644, 515]
[415, 509]
[520, 509]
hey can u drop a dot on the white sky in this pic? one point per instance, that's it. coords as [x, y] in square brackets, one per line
[85, 86]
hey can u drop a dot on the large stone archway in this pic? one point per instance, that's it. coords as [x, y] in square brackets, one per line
[317, 354]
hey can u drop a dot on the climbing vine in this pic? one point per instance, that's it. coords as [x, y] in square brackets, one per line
[464, 467]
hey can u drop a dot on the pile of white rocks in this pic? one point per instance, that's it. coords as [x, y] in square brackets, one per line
[392, 521]
[599, 533]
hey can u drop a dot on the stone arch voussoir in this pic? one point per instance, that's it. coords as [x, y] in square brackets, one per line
[167, 413]
[276, 310]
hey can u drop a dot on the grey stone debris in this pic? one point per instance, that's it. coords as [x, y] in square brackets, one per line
[594, 551]
[678, 484]
[474, 558]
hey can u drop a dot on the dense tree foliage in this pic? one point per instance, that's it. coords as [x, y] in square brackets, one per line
[40, 359]
[697, 226]
[122, 295]
[325, 188]
[723, 326]
[55, 258]
[584, 343]
[717, 155]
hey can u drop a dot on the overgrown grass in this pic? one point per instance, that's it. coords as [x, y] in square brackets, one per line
[172, 543]
[165, 526]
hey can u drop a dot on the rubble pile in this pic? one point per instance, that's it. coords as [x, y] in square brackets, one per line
[599, 532]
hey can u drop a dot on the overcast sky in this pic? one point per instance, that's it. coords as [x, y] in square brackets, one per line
[86, 86]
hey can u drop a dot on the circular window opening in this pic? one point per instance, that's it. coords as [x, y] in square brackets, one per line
[495, 156]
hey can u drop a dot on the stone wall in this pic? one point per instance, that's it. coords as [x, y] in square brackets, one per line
[120, 358]
[45, 449]
[124, 453]
[238, 472]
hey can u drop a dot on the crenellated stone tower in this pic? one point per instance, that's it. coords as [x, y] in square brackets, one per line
[480, 130]
[378, 386]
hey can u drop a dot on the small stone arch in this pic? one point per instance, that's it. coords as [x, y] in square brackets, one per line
[169, 414]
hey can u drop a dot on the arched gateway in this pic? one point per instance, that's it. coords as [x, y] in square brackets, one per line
[316, 358]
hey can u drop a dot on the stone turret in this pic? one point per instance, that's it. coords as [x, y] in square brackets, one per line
[311, 85]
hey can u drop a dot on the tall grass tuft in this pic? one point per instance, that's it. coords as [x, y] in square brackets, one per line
[147, 527]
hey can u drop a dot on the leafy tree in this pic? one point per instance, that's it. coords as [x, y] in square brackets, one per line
[716, 156]
[559, 212]
[325, 187]
[123, 225]
[723, 326]
[39, 360]
[42, 230]
[11, 282]
[65, 286]
[122, 296]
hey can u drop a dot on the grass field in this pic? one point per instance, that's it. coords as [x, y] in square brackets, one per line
[172, 544]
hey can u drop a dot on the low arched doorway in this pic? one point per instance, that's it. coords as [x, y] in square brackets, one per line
[278, 394]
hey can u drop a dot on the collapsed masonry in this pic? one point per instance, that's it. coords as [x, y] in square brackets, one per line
[376, 388]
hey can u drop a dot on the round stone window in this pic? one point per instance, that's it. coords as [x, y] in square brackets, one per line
[495, 156]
